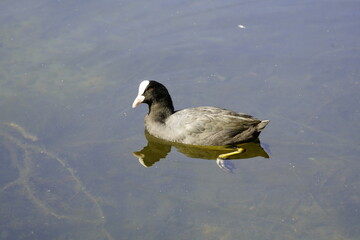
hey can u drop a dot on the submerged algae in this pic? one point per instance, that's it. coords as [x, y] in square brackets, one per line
[45, 181]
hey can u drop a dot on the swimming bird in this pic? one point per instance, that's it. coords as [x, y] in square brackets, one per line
[205, 126]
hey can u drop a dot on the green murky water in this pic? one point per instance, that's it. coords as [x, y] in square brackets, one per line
[69, 72]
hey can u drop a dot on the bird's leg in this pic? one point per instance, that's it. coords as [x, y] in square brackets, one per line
[227, 155]
[225, 165]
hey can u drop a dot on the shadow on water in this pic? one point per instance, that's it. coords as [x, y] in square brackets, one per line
[158, 149]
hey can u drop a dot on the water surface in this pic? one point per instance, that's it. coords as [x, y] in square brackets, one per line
[69, 72]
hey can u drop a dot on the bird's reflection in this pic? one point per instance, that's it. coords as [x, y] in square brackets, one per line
[157, 149]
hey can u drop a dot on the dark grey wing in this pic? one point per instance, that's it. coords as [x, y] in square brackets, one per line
[207, 124]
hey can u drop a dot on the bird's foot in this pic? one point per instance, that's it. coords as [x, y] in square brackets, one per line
[223, 162]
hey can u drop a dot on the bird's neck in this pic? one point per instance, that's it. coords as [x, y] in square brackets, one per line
[159, 111]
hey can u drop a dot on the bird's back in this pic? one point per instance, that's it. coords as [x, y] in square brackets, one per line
[208, 126]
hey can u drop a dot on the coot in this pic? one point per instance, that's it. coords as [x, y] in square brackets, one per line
[208, 126]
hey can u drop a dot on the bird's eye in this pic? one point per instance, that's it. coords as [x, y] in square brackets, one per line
[150, 89]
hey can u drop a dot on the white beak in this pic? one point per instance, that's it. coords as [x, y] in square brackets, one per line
[139, 99]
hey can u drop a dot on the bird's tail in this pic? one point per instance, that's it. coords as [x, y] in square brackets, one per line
[262, 125]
